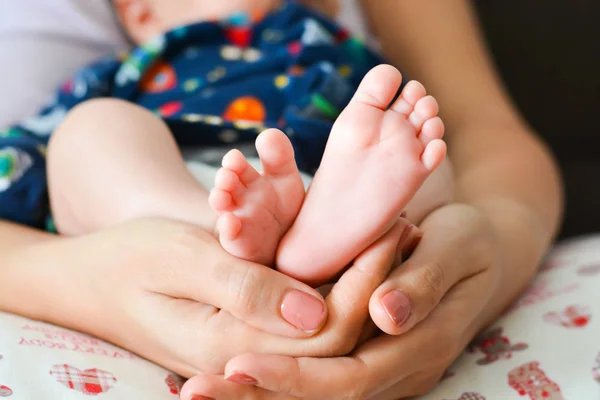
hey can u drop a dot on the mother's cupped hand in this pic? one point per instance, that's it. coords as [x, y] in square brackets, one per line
[167, 291]
[451, 287]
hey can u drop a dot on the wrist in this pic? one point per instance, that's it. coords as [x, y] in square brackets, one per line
[29, 279]
[519, 243]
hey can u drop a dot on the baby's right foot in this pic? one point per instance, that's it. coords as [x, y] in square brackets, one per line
[256, 210]
[375, 161]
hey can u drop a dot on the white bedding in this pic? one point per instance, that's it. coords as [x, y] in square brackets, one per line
[549, 342]
[42, 43]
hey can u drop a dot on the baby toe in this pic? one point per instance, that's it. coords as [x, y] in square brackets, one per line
[432, 129]
[227, 180]
[433, 155]
[410, 95]
[229, 227]
[236, 162]
[220, 200]
[425, 109]
[276, 153]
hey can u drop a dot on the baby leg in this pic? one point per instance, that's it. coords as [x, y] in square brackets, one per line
[112, 161]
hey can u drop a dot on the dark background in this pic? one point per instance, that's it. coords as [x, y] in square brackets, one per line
[548, 52]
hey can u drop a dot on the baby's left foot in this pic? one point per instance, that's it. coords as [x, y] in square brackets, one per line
[256, 210]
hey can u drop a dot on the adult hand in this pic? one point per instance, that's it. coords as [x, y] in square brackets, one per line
[168, 292]
[445, 286]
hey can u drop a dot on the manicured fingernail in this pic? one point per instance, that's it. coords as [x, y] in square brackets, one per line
[243, 379]
[397, 306]
[302, 310]
[198, 397]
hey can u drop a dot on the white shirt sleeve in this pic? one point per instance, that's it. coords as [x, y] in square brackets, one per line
[42, 43]
[351, 17]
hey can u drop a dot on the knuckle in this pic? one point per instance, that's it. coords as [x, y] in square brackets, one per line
[431, 282]
[181, 244]
[176, 245]
[241, 283]
[433, 277]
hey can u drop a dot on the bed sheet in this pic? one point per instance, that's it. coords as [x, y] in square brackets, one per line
[546, 346]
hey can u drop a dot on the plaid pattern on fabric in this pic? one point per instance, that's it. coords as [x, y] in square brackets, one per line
[575, 316]
[471, 396]
[89, 381]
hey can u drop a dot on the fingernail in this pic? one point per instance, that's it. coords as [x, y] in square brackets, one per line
[397, 306]
[302, 310]
[198, 397]
[243, 379]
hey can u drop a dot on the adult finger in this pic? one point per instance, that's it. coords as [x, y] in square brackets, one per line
[378, 365]
[305, 377]
[431, 347]
[260, 297]
[211, 387]
[348, 300]
[195, 267]
[450, 250]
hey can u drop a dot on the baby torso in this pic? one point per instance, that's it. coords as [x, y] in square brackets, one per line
[221, 83]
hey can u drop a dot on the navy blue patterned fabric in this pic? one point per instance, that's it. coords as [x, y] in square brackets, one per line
[213, 83]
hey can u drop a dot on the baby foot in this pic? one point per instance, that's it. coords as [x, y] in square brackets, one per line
[375, 161]
[256, 210]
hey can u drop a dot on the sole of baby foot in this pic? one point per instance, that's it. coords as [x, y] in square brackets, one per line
[256, 209]
[376, 159]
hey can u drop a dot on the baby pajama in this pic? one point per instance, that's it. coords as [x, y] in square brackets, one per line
[213, 83]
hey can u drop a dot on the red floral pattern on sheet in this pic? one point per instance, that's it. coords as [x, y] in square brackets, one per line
[174, 383]
[589, 270]
[5, 391]
[447, 375]
[530, 380]
[90, 381]
[541, 290]
[494, 347]
[574, 316]
[552, 265]
[471, 396]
